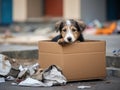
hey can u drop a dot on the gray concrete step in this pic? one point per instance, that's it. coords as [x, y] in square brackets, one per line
[112, 62]
[22, 54]
[112, 71]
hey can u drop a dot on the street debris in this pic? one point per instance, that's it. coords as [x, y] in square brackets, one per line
[2, 79]
[48, 77]
[108, 82]
[95, 23]
[13, 83]
[84, 87]
[31, 75]
[54, 75]
[10, 78]
[8, 34]
[8, 66]
[116, 52]
[96, 27]
[5, 65]
[31, 82]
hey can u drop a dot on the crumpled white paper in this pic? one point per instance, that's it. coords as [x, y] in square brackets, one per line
[31, 82]
[22, 71]
[2, 80]
[5, 66]
[84, 87]
[33, 75]
[29, 69]
[54, 75]
[51, 76]
[33, 68]
[10, 78]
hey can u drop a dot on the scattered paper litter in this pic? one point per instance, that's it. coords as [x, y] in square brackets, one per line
[14, 84]
[54, 75]
[31, 75]
[5, 65]
[10, 78]
[2, 80]
[31, 69]
[51, 76]
[31, 82]
[84, 87]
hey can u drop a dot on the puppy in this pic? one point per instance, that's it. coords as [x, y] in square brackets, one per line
[70, 31]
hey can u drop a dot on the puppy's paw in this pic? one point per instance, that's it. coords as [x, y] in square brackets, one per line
[61, 41]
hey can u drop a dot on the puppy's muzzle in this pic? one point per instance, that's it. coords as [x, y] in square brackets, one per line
[69, 39]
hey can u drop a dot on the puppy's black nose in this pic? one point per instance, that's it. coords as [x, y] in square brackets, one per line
[69, 39]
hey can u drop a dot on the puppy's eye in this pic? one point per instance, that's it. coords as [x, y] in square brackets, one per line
[64, 30]
[73, 30]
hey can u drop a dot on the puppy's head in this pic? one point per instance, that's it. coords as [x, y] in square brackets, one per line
[70, 29]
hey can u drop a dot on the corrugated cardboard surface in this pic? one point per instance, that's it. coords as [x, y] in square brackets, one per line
[79, 61]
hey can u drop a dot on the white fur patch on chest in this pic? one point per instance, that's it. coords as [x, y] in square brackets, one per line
[68, 22]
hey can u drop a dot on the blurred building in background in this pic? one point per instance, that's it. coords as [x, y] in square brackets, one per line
[6, 11]
[88, 10]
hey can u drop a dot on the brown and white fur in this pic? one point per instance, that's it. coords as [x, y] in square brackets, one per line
[70, 31]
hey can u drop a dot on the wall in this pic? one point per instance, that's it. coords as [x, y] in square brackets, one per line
[34, 8]
[93, 9]
[6, 11]
[71, 8]
[0, 11]
[19, 10]
[88, 10]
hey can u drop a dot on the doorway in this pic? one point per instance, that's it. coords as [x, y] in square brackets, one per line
[53, 8]
[113, 10]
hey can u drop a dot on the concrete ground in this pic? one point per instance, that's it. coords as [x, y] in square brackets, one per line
[110, 83]
[34, 31]
[112, 43]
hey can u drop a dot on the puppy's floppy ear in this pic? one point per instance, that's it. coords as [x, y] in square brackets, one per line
[58, 26]
[81, 24]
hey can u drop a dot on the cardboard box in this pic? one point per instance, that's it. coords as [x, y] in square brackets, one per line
[79, 61]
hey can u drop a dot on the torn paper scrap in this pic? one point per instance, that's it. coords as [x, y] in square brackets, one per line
[2, 80]
[8, 66]
[14, 84]
[5, 65]
[54, 74]
[84, 87]
[48, 77]
[31, 82]
[28, 71]
[38, 74]
[22, 73]
[33, 68]
[10, 78]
